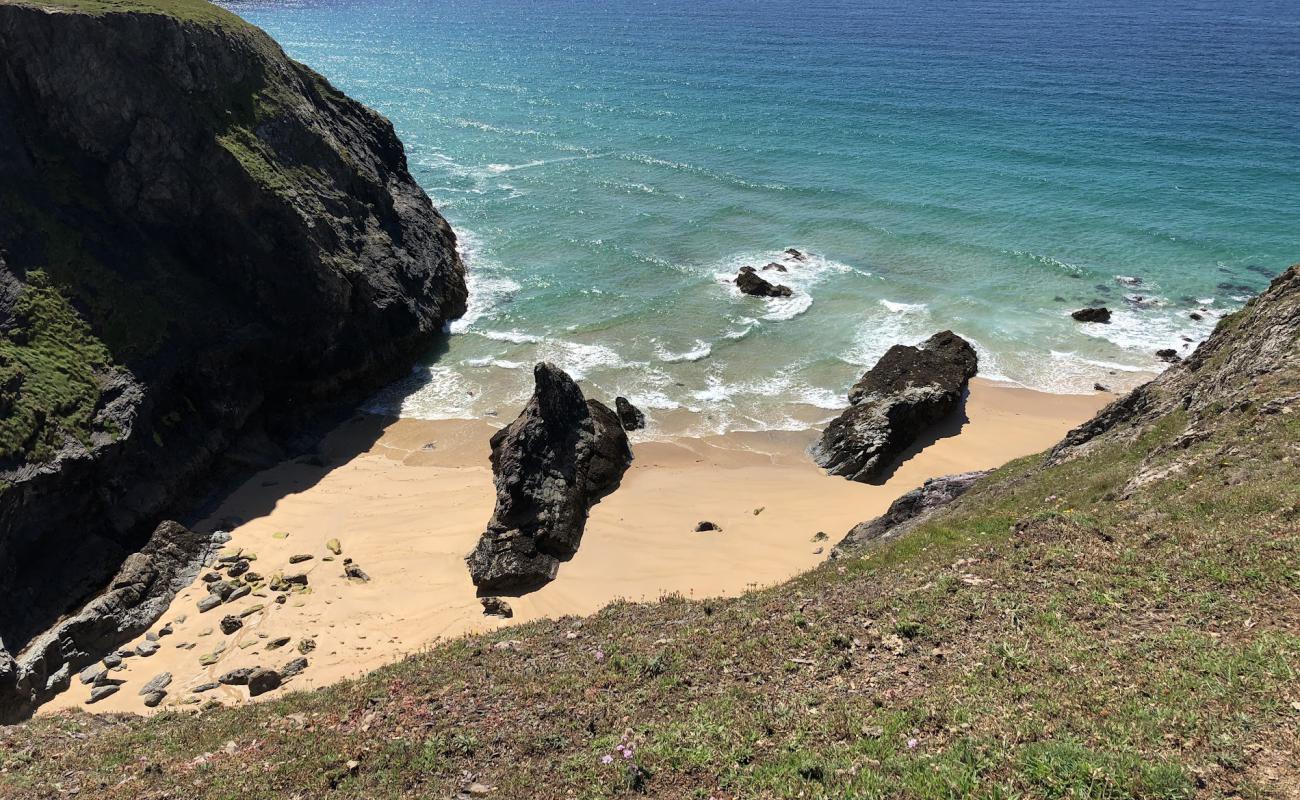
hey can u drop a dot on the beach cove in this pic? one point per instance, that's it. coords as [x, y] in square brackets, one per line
[407, 499]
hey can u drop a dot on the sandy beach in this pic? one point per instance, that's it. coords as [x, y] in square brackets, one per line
[407, 499]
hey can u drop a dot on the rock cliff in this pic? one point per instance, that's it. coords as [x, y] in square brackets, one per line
[201, 241]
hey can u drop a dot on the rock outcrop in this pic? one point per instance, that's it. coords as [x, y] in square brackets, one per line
[201, 242]
[905, 393]
[134, 600]
[749, 282]
[907, 511]
[556, 460]
[1226, 373]
[1097, 314]
[631, 417]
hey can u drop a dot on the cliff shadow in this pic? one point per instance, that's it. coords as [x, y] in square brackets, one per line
[946, 428]
[270, 462]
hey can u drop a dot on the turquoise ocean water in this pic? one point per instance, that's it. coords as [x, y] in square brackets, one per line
[979, 165]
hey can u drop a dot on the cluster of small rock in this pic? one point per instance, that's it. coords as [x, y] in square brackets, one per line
[749, 282]
[1101, 315]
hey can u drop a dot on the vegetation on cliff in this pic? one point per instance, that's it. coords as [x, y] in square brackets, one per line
[1119, 618]
[50, 366]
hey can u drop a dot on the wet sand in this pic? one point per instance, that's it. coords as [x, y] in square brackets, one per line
[408, 505]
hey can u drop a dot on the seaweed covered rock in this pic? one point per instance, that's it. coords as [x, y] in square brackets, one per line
[906, 392]
[550, 466]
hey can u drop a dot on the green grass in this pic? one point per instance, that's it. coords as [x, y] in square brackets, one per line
[50, 371]
[1042, 639]
[197, 11]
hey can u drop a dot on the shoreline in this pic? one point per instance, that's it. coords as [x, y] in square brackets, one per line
[407, 499]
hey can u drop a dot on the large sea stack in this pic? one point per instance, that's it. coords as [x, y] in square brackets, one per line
[550, 466]
[906, 392]
[201, 241]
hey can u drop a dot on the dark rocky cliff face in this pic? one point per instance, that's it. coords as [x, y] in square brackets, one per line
[200, 241]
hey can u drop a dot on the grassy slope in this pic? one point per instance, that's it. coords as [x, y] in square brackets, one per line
[200, 11]
[1041, 639]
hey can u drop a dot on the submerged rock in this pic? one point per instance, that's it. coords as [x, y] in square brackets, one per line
[556, 460]
[706, 526]
[749, 282]
[1169, 355]
[1096, 314]
[907, 391]
[629, 415]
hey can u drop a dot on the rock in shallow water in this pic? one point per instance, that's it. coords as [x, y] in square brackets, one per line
[749, 282]
[1098, 314]
[907, 391]
[556, 460]
[629, 415]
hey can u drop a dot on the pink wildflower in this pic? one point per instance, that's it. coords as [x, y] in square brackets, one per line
[911, 743]
[607, 759]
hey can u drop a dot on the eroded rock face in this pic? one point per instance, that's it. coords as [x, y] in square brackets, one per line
[556, 460]
[906, 392]
[904, 513]
[132, 603]
[244, 245]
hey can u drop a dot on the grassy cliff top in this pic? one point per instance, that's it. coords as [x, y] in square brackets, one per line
[199, 11]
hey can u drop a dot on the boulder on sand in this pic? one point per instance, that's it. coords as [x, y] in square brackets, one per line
[749, 282]
[550, 466]
[908, 390]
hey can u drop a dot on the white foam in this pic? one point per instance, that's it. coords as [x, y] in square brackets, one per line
[487, 288]
[512, 336]
[579, 359]
[701, 350]
[903, 308]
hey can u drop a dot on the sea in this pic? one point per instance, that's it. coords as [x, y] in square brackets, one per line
[984, 166]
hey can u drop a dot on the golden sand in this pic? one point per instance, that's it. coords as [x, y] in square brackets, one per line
[407, 499]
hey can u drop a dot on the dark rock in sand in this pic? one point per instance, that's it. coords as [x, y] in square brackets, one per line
[209, 602]
[907, 511]
[1169, 355]
[629, 415]
[89, 674]
[556, 460]
[496, 607]
[261, 681]
[706, 526]
[353, 571]
[1094, 314]
[100, 692]
[153, 699]
[277, 643]
[205, 687]
[294, 667]
[749, 282]
[239, 592]
[905, 393]
[299, 558]
[146, 649]
[238, 568]
[157, 683]
[237, 677]
[230, 624]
